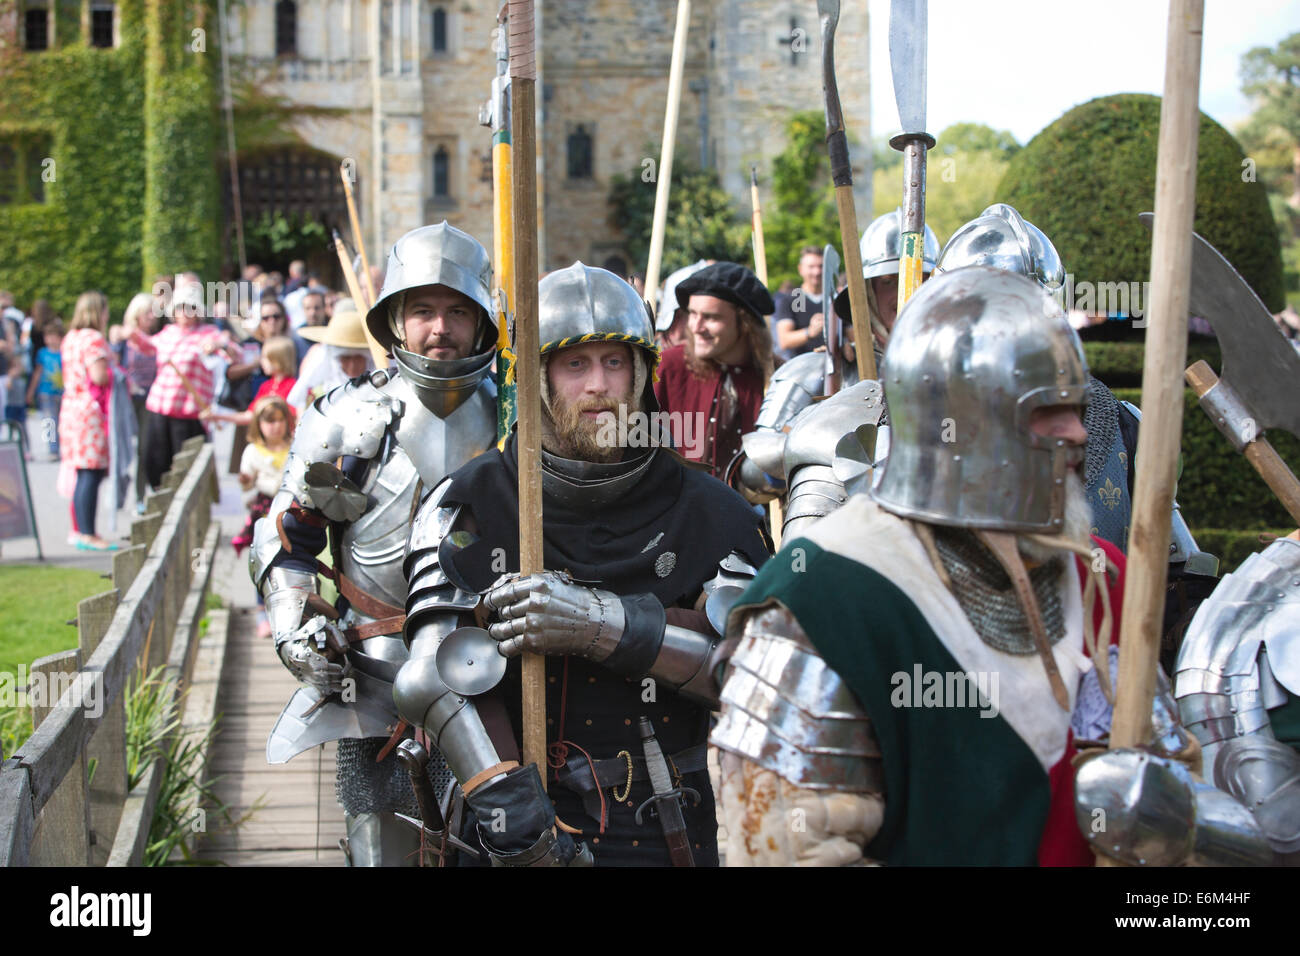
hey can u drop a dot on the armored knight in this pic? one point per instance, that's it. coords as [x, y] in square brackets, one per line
[795, 454]
[939, 726]
[393, 433]
[643, 555]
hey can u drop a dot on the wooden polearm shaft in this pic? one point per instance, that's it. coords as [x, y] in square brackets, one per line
[1162, 377]
[503, 249]
[354, 289]
[523, 135]
[357, 238]
[760, 249]
[665, 173]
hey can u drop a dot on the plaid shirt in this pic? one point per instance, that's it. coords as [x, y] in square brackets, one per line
[183, 349]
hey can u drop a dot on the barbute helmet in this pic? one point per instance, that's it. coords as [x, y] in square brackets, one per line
[975, 352]
[1000, 237]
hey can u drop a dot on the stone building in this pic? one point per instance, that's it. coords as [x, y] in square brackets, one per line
[404, 81]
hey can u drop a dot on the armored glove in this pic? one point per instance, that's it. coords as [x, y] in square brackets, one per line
[548, 614]
[516, 821]
[1145, 809]
[303, 655]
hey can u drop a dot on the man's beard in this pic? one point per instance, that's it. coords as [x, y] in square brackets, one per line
[1077, 526]
[578, 437]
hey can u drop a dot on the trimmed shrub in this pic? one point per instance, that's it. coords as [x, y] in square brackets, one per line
[1084, 179]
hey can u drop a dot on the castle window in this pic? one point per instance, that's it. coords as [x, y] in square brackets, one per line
[439, 30]
[8, 186]
[36, 29]
[101, 25]
[286, 28]
[579, 150]
[441, 175]
[22, 166]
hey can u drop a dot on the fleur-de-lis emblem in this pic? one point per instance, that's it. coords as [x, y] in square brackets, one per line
[1110, 494]
[1123, 459]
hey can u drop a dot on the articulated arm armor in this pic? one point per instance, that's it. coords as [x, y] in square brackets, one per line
[352, 420]
[1240, 660]
[501, 793]
[759, 473]
[1148, 808]
[796, 747]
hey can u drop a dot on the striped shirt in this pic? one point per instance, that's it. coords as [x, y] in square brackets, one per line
[182, 349]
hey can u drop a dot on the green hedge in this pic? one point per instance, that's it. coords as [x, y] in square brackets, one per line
[1084, 179]
[1119, 364]
[1218, 487]
[1234, 547]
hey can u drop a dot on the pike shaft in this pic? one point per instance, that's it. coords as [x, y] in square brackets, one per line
[665, 172]
[912, 241]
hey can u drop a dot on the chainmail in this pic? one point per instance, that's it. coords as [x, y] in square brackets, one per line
[984, 591]
[363, 786]
[1101, 419]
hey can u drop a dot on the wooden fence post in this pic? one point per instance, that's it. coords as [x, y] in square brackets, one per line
[62, 832]
[108, 786]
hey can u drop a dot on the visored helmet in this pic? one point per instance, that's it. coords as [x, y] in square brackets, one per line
[431, 255]
[972, 356]
[1000, 237]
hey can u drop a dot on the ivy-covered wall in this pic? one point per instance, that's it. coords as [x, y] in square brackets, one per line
[112, 172]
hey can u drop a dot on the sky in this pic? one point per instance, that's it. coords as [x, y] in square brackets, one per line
[1020, 64]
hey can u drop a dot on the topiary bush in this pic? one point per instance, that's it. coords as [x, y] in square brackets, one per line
[1084, 179]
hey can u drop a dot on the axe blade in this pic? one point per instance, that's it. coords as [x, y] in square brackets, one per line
[1259, 365]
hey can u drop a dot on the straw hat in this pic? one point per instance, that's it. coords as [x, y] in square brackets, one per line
[344, 330]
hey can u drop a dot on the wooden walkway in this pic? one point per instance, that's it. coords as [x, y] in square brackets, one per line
[280, 801]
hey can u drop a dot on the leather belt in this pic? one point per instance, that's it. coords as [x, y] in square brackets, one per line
[363, 602]
[576, 775]
[385, 625]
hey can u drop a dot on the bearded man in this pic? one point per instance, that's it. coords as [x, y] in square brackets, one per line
[395, 432]
[913, 673]
[643, 557]
[712, 384]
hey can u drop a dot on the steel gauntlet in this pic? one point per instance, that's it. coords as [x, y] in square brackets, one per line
[516, 823]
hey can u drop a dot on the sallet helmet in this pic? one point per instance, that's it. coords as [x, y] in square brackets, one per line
[971, 357]
[1000, 237]
[435, 255]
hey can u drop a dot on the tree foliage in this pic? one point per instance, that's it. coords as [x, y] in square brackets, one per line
[701, 224]
[1084, 179]
[802, 209]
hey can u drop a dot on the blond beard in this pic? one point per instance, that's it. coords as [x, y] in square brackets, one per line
[577, 437]
[1078, 522]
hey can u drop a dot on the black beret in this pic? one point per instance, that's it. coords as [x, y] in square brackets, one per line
[727, 280]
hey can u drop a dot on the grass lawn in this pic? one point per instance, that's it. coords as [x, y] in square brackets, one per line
[35, 601]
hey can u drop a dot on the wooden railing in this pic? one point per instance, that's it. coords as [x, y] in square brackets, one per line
[52, 812]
